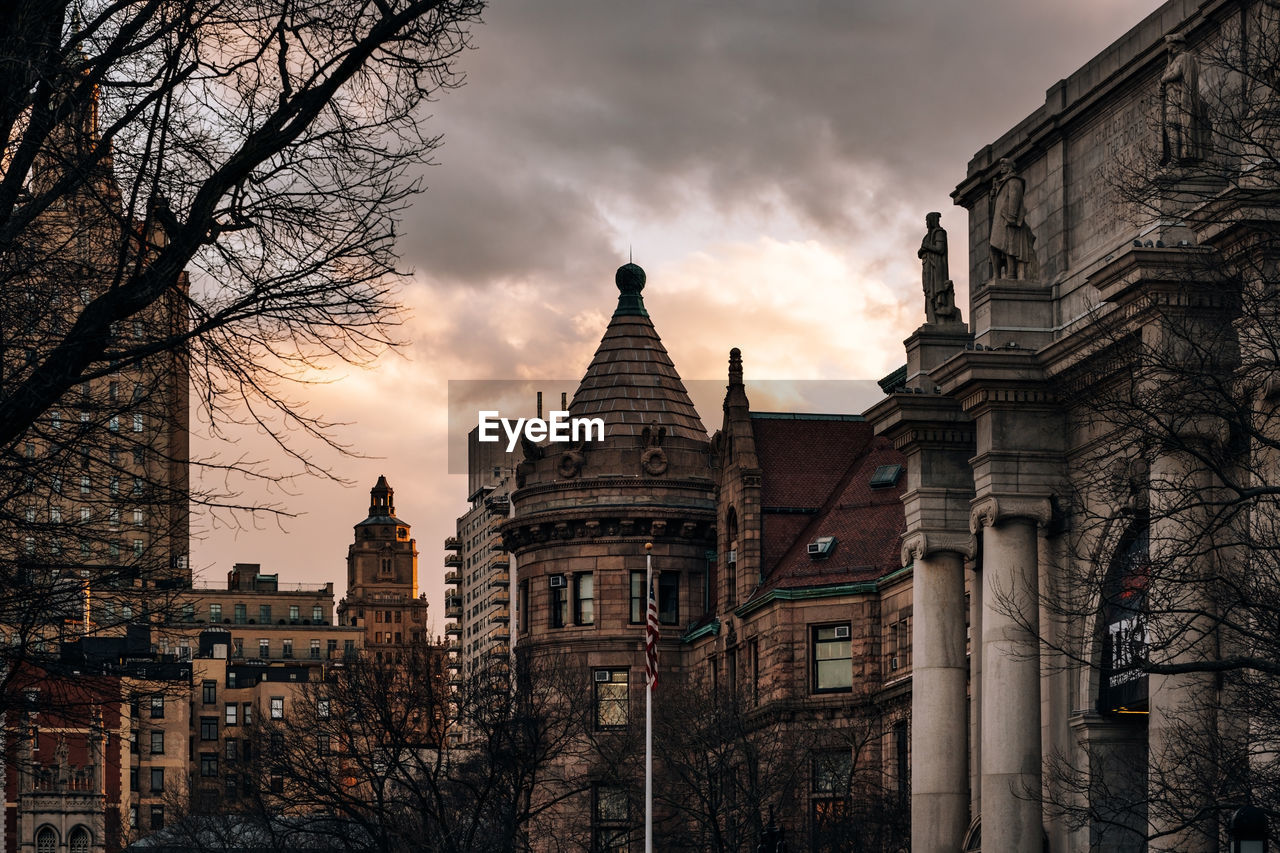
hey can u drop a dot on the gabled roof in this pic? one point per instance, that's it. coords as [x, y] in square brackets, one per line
[816, 482]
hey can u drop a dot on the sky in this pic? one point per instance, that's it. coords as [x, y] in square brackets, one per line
[770, 166]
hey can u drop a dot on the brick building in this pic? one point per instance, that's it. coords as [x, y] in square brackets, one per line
[779, 590]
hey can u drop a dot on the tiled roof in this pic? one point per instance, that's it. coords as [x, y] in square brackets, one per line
[825, 466]
[632, 382]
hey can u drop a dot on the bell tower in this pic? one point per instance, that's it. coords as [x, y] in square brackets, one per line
[382, 578]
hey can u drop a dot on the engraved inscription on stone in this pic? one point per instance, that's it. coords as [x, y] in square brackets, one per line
[1096, 219]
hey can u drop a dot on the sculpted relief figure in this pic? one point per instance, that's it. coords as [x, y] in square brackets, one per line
[939, 292]
[1184, 123]
[1013, 252]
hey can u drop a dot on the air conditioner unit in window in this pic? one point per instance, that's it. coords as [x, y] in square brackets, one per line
[842, 632]
[602, 675]
[733, 555]
[557, 581]
[893, 662]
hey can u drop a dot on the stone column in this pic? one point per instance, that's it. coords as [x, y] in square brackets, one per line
[1181, 735]
[939, 777]
[1011, 757]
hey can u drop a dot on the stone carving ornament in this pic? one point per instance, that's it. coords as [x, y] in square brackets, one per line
[654, 459]
[1184, 122]
[1013, 254]
[939, 292]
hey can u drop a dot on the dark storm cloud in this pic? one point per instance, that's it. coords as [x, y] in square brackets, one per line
[837, 115]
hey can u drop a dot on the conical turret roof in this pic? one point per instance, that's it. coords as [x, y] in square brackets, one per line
[631, 381]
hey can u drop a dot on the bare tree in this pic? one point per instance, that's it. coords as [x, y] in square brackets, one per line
[198, 203]
[363, 758]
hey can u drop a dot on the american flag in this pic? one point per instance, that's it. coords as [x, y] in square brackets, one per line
[651, 639]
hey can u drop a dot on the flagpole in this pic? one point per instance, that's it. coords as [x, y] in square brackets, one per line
[648, 713]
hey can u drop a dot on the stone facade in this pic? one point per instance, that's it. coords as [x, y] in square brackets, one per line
[802, 657]
[1034, 500]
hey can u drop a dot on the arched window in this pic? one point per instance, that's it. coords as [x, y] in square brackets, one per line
[731, 558]
[79, 840]
[46, 841]
[1122, 688]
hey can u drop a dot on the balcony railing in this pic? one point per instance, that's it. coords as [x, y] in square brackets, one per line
[454, 560]
[502, 615]
[501, 579]
[454, 577]
[453, 628]
[452, 543]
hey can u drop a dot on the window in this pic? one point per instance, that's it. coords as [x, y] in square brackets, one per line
[637, 598]
[294, 614]
[248, 713]
[832, 658]
[331, 649]
[669, 598]
[277, 707]
[522, 607]
[898, 646]
[137, 517]
[317, 614]
[229, 717]
[137, 547]
[830, 786]
[79, 840]
[264, 614]
[559, 606]
[157, 780]
[241, 616]
[610, 813]
[157, 743]
[114, 423]
[157, 707]
[113, 486]
[584, 605]
[188, 613]
[231, 787]
[209, 689]
[237, 651]
[232, 749]
[264, 648]
[208, 764]
[137, 487]
[315, 650]
[46, 841]
[85, 514]
[286, 647]
[137, 423]
[215, 613]
[139, 455]
[348, 648]
[208, 728]
[612, 699]
[322, 744]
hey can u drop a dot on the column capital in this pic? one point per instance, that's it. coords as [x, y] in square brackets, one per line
[922, 544]
[990, 510]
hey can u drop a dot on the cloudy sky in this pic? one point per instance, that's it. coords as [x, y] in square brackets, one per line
[769, 165]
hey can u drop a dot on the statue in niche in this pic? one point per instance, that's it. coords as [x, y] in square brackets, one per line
[1184, 123]
[1013, 253]
[939, 292]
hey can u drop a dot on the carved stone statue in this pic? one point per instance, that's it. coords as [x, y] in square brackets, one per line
[1184, 123]
[1013, 252]
[939, 292]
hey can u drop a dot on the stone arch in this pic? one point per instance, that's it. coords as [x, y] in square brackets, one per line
[46, 839]
[80, 841]
[1114, 737]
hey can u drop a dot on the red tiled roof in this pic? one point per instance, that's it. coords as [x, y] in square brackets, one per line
[827, 464]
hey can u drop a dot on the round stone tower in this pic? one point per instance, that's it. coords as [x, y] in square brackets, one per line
[581, 516]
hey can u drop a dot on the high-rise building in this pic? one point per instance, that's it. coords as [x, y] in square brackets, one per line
[478, 572]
